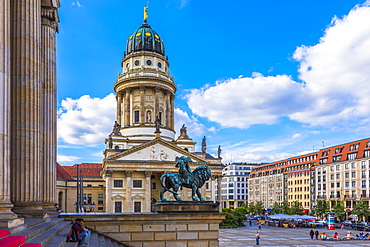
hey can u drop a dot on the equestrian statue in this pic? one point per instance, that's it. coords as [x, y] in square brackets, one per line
[185, 178]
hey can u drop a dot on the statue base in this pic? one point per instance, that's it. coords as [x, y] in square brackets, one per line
[186, 207]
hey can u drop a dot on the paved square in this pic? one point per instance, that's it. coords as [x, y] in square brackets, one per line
[284, 237]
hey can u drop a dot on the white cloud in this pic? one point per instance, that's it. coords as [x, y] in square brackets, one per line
[77, 3]
[86, 121]
[335, 88]
[296, 135]
[66, 158]
[194, 127]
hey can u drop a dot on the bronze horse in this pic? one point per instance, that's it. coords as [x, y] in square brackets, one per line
[185, 178]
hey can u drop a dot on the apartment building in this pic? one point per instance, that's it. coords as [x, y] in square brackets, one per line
[340, 172]
[234, 184]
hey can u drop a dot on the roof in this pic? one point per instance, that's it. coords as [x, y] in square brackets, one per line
[88, 169]
[62, 173]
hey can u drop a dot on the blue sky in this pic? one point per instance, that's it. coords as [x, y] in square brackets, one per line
[264, 79]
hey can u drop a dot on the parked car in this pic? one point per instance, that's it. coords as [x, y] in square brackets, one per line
[360, 227]
[347, 223]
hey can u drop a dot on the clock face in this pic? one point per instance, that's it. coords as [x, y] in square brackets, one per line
[148, 62]
[159, 65]
[137, 62]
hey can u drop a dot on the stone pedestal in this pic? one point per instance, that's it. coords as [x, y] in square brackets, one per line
[11, 223]
[185, 207]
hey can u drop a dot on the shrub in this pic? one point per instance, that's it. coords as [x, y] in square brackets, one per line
[234, 218]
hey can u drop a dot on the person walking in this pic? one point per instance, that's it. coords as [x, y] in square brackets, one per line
[250, 222]
[259, 227]
[317, 234]
[312, 233]
[257, 238]
[342, 226]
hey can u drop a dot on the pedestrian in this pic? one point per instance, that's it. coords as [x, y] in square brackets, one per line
[80, 228]
[250, 222]
[342, 226]
[259, 227]
[257, 238]
[317, 234]
[312, 233]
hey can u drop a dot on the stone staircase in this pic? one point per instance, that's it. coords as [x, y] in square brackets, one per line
[49, 232]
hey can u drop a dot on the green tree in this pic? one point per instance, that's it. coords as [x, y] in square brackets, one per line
[321, 208]
[339, 210]
[234, 218]
[361, 209]
[296, 208]
[285, 207]
[242, 210]
[259, 208]
[276, 208]
[250, 208]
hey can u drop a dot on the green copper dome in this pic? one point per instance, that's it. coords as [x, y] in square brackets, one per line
[145, 39]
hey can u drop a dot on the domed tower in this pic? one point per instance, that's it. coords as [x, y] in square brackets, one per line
[145, 91]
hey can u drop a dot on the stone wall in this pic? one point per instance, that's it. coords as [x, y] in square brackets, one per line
[156, 229]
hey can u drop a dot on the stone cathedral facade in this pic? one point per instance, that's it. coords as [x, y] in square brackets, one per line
[142, 145]
[27, 109]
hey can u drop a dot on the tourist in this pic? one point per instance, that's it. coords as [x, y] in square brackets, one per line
[349, 235]
[361, 235]
[257, 238]
[312, 233]
[342, 226]
[80, 228]
[250, 222]
[336, 236]
[259, 227]
[323, 236]
[317, 234]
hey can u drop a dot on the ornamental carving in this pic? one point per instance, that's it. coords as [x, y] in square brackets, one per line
[157, 153]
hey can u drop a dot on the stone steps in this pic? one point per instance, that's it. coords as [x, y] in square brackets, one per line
[51, 232]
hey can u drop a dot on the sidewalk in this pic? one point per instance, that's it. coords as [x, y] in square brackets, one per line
[284, 237]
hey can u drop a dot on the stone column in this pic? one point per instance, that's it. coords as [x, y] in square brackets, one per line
[168, 110]
[49, 28]
[148, 191]
[26, 110]
[172, 112]
[119, 108]
[128, 192]
[5, 203]
[108, 192]
[127, 107]
[156, 102]
[142, 105]
[218, 196]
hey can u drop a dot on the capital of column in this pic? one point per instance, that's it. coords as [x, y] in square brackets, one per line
[108, 173]
[148, 173]
[128, 173]
[49, 17]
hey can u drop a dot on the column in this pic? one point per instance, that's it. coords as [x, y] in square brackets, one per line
[108, 191]
[129, 208]
[218, 196]
[142, 105]
[119, 108]
[26, 111]
[168, 110]
[212, 183]
[172, 112]
[148, 192]
[156, 102]
[127, 107]
[49, 28]
[5, 203]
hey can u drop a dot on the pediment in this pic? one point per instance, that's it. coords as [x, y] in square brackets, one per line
[118, 197]
[137, 197]
[155, 150]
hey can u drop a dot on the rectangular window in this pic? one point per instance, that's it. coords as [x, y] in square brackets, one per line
[137, 183]
[338, 185]
[351, 156]
[353, 183]
[89, 198]
[137, 206]
[363, 174]
[231, 191]
[100, 198]
[346, 166]
[346, 175]
[153, 185]
[332, 176]
[337, 167]
[363, 184]
[136, 116]
[353, 174]
[118, 207]
[347, 184]
[118, 183]
[331, 185]
[353, 165]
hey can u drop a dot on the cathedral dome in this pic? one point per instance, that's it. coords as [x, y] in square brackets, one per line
[145, 39]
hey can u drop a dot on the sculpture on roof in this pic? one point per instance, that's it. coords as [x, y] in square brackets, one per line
[219, 151]
[116, 129]
[185, 178]
[204, 145]
[157, 123]
[183, 130]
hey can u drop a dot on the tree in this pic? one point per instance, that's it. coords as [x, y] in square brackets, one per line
[233, 218]
[285, 207]
[276, 208]
[242, 210]
[339, 210]
[250, 208]
[259, 208]
[321, 208]
[361, 209]
[296, 208]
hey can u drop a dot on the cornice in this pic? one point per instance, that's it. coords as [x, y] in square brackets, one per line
[132, 82]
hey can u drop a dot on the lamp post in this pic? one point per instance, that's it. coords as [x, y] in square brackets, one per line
[80, 199]
[92, 206]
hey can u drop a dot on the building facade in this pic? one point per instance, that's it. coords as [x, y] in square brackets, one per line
[142, 145]
[337, 173]
[234, 186]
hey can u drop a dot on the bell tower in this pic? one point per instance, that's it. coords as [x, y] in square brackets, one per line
[145, 91]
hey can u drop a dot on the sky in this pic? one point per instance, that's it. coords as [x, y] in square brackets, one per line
[264, 79]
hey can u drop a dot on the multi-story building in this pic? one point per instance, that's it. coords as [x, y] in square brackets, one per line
[340, 172]
[234, 185]
[93, 187]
